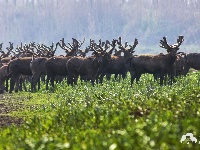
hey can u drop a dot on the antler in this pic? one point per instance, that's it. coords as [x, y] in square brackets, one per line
[62, 42]
[179, 41]
[164, 43]
[9, 49]
[1, 46]
[119, 41]
[134, 45]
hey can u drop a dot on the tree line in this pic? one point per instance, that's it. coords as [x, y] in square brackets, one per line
[48, 21]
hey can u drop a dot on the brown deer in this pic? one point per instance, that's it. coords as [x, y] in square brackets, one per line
[56, 66]
[153, 64]
[193, 61]
[17, 67]
[178, 69]
[38, 68]
[3, 77]
[117, 63]
[86, 67]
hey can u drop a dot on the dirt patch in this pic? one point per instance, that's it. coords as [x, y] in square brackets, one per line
[8, 120]
[7, 106]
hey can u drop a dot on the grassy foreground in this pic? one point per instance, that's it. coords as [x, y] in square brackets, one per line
[109, 116]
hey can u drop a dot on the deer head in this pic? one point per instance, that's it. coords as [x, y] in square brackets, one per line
[171, 49]
[128, 51]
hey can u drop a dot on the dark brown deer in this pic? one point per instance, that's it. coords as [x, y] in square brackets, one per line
[193, 61]
[86, 67]
[178, 69]
[56, 66]
[154, 63]
[5, 59]
[38, 68]
[17, 67]
[3, 77]
[117, 64]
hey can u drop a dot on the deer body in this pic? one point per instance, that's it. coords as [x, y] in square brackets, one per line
[56, 66]
[154, 64]
[17, 67]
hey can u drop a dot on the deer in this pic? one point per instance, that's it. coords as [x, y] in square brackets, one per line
[193, 61]
[87, 67]
[3, 77]
[37, 64]
[56, 66]
[154, 64]
[117, 64]
[19, 68]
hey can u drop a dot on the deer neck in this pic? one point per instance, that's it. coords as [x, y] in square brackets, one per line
[126, 56]
[171, 58]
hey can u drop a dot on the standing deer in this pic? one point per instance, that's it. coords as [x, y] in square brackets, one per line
[37, 66]
[86, 67]
[56, 66]
[193, 61]
[3, 77]
[117, 63]
[154, 64]
[17, 67]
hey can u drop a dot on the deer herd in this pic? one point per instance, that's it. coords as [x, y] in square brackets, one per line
[34, 62]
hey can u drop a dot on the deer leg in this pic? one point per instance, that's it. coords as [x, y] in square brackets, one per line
[35, 79]
[138, 77]
[81, 78]
[161, 79]
[69, 79]
[1, 87]
[12, 83]
[24, 85]
[38, 81]
[92, 80]
[108, 76]
[21, 83]
[43, 78]
[97, 79]
[101, 77]
[7, 85]
[75, 79]
[119, 77]
[133, 76]
[47, 82]
[116, 76]
[52, 80]
[123, 76]
[17, 84]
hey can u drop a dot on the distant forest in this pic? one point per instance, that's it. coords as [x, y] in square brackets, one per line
[47, 21]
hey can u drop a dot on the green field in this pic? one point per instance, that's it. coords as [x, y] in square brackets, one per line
[109, 116]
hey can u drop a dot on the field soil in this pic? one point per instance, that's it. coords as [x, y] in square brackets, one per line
[6, 107]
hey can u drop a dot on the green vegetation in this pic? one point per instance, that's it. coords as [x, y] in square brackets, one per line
[109, 116]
